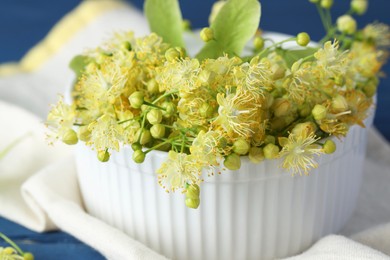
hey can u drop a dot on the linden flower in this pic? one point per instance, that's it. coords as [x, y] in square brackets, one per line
[181, 75]
[237, 113]
[60, 119]
[298, 152]
[101, 87]
[331, 60]
[178, 170]
[379, 33]
[365, 59]
[218, 72]
[208, 147]
[254, 76]
[105, 133]
[298, 83]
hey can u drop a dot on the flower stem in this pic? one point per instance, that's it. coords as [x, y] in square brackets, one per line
[12, 243]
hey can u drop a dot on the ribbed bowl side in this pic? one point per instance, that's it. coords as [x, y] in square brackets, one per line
[258, 212]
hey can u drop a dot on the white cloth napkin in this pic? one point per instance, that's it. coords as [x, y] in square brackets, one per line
[38, 184]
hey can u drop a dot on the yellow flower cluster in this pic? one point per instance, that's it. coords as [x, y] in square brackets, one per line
[143, 93]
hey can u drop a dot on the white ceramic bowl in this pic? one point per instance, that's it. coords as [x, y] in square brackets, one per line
[258, 212]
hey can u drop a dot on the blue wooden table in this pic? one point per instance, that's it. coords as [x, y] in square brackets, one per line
[23, 23]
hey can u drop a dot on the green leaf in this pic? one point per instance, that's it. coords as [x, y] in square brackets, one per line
[165, 19]
[291, 56]
[78, 63]
[234, 26]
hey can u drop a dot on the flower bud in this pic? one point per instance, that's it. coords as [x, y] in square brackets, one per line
[192, 203]
[152, 86]
[8, 251]
[222, 142]
[339, 103]
[329, 146]
[157, 131]
[327, 4]
[182, 51]
[258, 43]
[370, 87]
[304, 110]
[170, 109]
[193, 191]
[154, 116]
[232, 162]
[103, 155]
[145, 136]
[303, 39]
[281, 107]
[207, 34]
[269, 139]
[241, 146]
[138, 156]
[307, 128]
[136, 99]
[346, 24]
[271, 151]
[136, 146]
[172, 54]
[319, 112]
[70, 137]
[256, 154]
[206, 110]
[359, 6]
[28, 256]
[126, 46]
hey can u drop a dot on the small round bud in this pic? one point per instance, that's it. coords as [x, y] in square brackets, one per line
[207, 34]
[186, 25]
[170, 109]
[346, 24]
[327, 4]
[136, 99]
[157, 131]
[136, 146]
[269, 139]
[241, 146]
[138, 156]
[258, 43]
[271, 151]
[9, 250]
[152, 86]
[256, 154]
[303, 39]
[70, 137]
[103, 155]
[329, 146]
[307, 128]
[126, 46]
[304, 110]
[281, 107]
[172, 54]
[154, 116]
[222, 142]
[319, 112]
[206, 110]
[370, 87]
[145, 136]
[359, 6]
[232, 162]
[28, 256]
[192, 203]
[193, 191]
[339, 81]
[339, 103]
